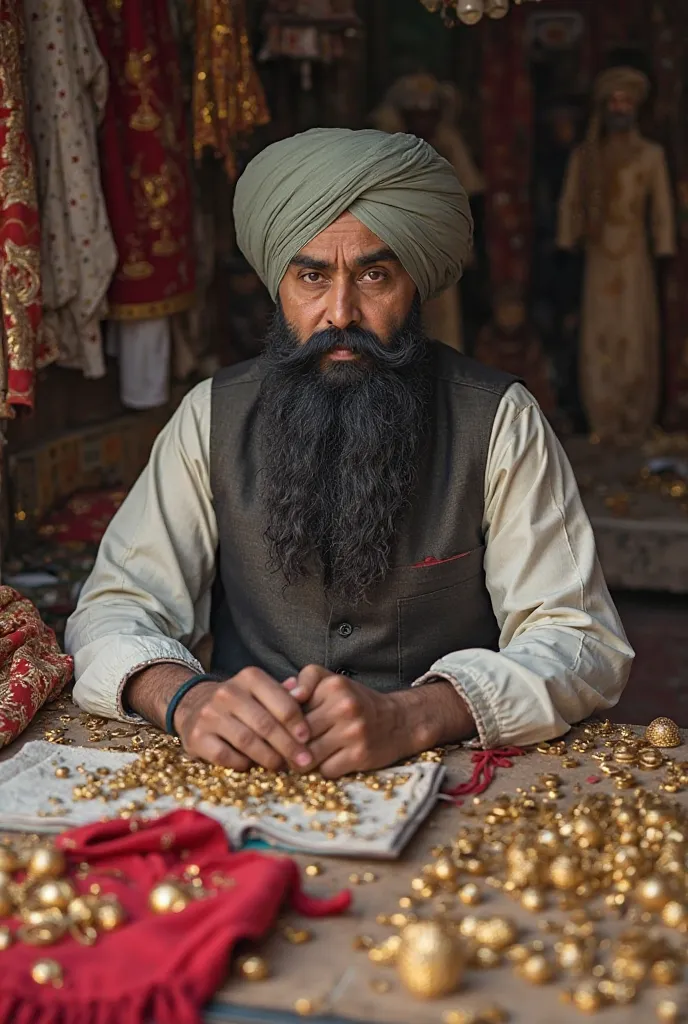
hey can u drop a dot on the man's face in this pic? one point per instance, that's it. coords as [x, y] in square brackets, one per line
[620, 114]
[346, 277]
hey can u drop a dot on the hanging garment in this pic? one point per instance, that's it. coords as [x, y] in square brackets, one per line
[143, 348]
[145, 162]
[23, 346]
[68, 84]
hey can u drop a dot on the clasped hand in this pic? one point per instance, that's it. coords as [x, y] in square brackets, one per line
[316, 720]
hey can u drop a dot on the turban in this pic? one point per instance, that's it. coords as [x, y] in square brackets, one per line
[622, 79]
[396, 185]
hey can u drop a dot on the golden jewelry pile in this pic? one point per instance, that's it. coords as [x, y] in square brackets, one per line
[611, 870]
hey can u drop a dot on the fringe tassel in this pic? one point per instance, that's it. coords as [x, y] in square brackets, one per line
[486, 762]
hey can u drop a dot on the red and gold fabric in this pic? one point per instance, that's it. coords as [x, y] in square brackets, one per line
[228, 98]
[33, 670]
[20, 280]
[145, 162]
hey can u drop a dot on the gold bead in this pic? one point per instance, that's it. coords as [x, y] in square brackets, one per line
[493, 1015]
[362, 942]
[5, 938]
[6, 902]
[533, 899]
[430, 960]
[667, 1011]
[565, 872]
[650, 757]
[486, 958]
[652, 892]
[572, 956]
[254, 968]
[445, 869]
[168, 898]
[470, 894]
[629, 968]
[46, 862]
[675, 914]
[62, 772]
[459, 1017]
[305, 1007]
[47, 972]
[662, 732]
[587, 998]
[665, 972]
[9, 862]
[518, 953]
[496, 933]
[536, 969]
[57, 892]
[468, 926]
[110, 914]
[80, 909]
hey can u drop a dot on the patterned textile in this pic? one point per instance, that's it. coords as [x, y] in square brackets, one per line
[228, 100]
[20, 283]
[32, 667]
[507, 116]
[144, 160]
[68, 85]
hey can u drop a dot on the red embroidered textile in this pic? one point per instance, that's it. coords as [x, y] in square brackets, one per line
[85, 517]
[32, 667]
[145, 160]
[486, 762]
[160, 968]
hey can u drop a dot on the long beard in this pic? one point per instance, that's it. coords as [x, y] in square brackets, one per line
[340, 449]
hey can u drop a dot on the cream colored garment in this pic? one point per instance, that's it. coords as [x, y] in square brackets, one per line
[143, 348]
[620, 357]
[563, 650]
[68, 84]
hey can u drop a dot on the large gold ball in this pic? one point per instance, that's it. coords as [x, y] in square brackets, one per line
[587, 998]
[168, 898]
[496, 933]
[6, 902]
[653, 892]
[254, 968]
[662, 732]
[536, 969]
[565, 872]
[572, 956]
[46, 862]
[430, 960]
[110, 914]
[9, 862]
[46, 972]
[5, 938]
[675, 914]
[57, 892]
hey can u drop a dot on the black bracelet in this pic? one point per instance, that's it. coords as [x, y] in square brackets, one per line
[202, 677]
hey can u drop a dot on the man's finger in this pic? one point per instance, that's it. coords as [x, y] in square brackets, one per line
[307, 682]
[258, 720]
[326, 746]
[215, 750]
[341, 763]
[319, 721]
[281, 705]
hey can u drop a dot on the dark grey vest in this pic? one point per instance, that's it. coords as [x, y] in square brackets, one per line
[433, 600]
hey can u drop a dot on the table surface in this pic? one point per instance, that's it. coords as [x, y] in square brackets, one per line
[338, 979]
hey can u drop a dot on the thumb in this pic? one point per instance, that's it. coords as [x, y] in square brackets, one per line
[302, 687]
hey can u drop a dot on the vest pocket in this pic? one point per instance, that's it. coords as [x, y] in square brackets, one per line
[447, 609]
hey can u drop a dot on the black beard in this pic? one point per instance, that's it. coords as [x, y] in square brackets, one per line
[340, 450]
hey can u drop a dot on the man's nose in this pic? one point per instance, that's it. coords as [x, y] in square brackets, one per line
[342, 306]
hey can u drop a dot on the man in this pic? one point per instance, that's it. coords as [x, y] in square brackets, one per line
[423, 106]
[395, 545]
[617, 185]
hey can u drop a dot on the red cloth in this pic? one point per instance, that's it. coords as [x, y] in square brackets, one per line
[85, 517]
[486, 762]
[160, 968]
[32, 667]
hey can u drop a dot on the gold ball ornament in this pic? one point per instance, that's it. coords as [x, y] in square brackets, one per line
[667, 1011]
[431, 960]
[587, 998]
[565, 872]
[675, 914]
[46, 862]
[168, 898]
[533, 899]
[9, 862]
[110, 915]
[535, 969]
[254, 968]
[39, 917]
[470, 894]
[662, 732]
[57, 892]
[572, 956]
[47, 972]
[81, 909]
[497, 933]
[5, 938]
[445, 869]
[665, 972]
[652, 892]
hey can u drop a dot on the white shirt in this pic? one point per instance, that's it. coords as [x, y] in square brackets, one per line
[563, 652]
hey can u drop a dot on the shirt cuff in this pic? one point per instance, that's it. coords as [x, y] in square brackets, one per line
[99, 689]
[473, 693]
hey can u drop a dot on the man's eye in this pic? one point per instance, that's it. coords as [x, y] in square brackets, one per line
[312, 277]
[375, 276]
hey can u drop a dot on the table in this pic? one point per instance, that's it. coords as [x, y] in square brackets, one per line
[338, 978]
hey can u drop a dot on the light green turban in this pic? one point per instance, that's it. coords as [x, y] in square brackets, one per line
[396, 185]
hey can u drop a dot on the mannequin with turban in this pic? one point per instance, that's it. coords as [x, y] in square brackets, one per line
[614, 180]
[396, 185]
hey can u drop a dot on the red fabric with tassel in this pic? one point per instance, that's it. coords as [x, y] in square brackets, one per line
[156, 967]
[486, 762]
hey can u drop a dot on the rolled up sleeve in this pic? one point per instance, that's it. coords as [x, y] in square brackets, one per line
[563, 653]
[147, 598]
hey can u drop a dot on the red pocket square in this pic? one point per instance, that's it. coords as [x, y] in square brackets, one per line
[431, 560]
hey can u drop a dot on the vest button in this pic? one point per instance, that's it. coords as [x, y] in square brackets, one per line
[346, 629]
